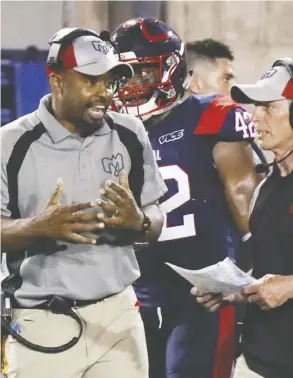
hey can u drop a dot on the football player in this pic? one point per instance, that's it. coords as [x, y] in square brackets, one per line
[212, 65]
[211, 62]
[200, 144]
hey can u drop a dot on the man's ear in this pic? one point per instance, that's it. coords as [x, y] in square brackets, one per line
[56, 82]
[196, 84]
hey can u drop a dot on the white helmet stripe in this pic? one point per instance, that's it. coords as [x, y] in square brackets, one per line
[182, 47]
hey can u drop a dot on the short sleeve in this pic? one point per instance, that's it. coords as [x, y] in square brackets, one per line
[226, 120]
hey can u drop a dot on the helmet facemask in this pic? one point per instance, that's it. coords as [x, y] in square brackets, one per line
[146, 98]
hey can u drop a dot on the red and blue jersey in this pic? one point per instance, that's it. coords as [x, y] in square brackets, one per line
[198, 229]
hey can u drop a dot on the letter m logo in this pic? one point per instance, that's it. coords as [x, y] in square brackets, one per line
[114, 164]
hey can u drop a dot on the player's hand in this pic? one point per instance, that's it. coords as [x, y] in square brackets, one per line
[270, 291]
[215, 301]
[65, 223]
[121, 209]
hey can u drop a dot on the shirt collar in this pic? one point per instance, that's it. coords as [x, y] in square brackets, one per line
[54, 128]
[56, 131]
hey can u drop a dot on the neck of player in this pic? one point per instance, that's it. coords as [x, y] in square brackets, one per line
[286, 165]
[154, 120]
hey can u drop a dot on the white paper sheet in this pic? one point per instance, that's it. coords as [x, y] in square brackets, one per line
[224, 277]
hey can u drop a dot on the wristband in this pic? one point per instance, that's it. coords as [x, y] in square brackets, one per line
[244, 259]
[246, 237]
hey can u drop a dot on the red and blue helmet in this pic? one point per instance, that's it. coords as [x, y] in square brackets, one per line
[151, 42]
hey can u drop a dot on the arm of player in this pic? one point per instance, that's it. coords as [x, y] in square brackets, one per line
[234, 163]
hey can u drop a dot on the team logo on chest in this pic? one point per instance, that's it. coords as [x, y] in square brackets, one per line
[175, 135]
[113, 164]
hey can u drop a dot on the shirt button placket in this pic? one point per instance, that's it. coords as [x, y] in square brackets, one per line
[83, 163]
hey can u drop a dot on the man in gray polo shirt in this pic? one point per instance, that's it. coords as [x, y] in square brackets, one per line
[79, 184]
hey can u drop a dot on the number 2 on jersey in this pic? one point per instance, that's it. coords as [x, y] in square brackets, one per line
[174, 172]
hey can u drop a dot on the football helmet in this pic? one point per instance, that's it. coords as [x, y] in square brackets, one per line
[146, 44]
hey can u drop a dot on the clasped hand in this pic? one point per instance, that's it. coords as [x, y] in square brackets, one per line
[120, 207]
[67, 222]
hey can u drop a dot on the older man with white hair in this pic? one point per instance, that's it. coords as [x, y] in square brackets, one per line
[268, 327]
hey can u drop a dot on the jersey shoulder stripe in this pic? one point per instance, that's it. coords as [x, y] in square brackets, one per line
[214, 116]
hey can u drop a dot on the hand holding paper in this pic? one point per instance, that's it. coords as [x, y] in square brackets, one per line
[224, 277]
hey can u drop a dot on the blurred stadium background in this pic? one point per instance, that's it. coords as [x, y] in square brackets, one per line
[257, 31]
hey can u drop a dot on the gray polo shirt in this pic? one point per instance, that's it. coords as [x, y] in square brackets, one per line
[36, 150]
